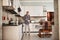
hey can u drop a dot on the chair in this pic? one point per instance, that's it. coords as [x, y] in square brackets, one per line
[46, 31]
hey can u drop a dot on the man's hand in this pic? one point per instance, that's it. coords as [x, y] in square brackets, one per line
[29, 21]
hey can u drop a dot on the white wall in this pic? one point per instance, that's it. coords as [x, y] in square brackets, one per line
[8, 15]
[59, 16]
[33, 10]
[47, 4]
[50, 7]
[6, 3]
[0, 19]
[56, 21]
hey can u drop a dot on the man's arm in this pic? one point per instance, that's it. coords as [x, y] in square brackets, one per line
[29, 19]
[24, 17]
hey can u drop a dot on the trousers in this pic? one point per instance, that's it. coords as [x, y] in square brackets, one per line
[27, 27]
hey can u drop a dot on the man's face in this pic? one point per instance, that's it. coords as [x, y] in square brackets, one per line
[27, 12]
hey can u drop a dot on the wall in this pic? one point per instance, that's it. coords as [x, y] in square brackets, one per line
[56, 21]
[33, 10]
[0, 19]
[59, 16]
[6, 2]
[47, 4]
[5, 15]
[8, 15]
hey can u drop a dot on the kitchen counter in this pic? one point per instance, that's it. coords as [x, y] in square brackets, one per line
[10, 25]
[12, 32]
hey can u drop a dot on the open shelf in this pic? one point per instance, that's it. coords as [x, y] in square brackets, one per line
[8, 7]
[17, 15]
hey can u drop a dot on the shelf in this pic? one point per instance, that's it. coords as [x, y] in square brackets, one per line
[12, 11]
[8, 7]
[17, 15]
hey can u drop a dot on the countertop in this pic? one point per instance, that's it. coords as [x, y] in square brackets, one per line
[10, 25]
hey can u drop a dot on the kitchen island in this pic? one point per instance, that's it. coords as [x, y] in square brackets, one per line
[12, 32]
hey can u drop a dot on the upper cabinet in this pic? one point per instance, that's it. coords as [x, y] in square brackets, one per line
[12, 5]
[7, 2]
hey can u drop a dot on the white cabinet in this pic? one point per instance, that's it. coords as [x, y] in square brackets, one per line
[12, 32]
[11, 4]
[6, 3]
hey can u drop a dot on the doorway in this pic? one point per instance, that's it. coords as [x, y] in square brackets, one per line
[54, 10]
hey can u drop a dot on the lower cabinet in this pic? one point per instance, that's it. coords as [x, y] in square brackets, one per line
[12, 32]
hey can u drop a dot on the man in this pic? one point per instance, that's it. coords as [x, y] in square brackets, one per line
[27, 21]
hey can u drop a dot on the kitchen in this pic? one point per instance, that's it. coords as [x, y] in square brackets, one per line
[38, 10]
[11, 12]
[11, 22]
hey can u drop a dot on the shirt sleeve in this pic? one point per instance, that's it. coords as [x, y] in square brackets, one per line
[24, 17]
[29, 17]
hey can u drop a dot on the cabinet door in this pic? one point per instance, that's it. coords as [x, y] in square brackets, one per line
[12, 33]
[6, 2]
[20, 31]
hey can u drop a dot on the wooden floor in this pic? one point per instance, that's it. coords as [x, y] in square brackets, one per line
[34, 36]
